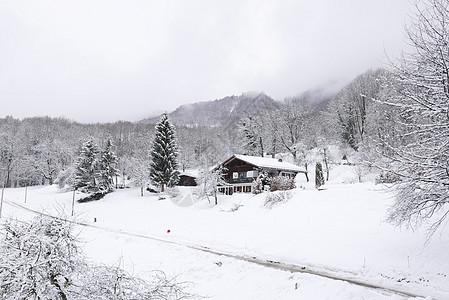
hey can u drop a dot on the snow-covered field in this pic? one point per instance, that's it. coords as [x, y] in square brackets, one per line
[340, 230]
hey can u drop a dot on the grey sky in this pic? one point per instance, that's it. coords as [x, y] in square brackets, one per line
[97, 61]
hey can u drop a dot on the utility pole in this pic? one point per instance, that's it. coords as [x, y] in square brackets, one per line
[1, 200]
[73, 202]
[26, 192]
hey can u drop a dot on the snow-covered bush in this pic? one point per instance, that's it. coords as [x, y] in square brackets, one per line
[262, 183]
[66, 178]
[274, 198]
[387, 177]
[282, 183]
[41, 259]
[258, 186]
[92, 197]
[114, 283]
[235, 207]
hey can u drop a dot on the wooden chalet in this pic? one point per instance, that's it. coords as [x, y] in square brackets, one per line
[241, 172]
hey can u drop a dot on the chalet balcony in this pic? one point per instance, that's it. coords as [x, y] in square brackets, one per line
[241, 180]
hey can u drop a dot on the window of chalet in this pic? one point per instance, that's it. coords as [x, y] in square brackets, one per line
[225, 190]
[287, 174]
[242, 189]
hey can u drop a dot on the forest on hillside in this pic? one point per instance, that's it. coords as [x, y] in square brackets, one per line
[43, 150]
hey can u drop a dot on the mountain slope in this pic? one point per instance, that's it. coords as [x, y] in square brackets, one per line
[218, 112]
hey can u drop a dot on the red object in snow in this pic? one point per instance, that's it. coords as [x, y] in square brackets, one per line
[168, 231]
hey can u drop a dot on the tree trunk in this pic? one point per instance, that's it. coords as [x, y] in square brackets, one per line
[273, 147]
[261, 146]
[326, 164]
[1, 199]
[307, 172]
[8, 179]
[54, 282]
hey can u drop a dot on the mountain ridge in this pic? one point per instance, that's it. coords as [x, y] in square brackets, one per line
[228, 110]
[218, 112]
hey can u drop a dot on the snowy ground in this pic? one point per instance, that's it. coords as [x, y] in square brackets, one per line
[339, 230]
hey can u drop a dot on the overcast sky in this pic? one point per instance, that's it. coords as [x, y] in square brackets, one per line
[98, 61]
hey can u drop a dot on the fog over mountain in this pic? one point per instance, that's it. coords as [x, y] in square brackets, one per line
[218, 112]
[228, 110]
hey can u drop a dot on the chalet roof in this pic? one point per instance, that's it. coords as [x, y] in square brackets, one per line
[190, 173]
[187, 174]
[268, 162]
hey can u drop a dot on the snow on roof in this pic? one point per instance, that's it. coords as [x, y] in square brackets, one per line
[190, 173]
[268, 162]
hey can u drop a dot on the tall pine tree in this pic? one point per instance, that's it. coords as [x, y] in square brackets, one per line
[164, 155]
[106, 169]
[85, 168]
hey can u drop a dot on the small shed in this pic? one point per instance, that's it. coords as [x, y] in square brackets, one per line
[187, 179]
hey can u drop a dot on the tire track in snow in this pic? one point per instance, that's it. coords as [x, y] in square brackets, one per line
[328, 274]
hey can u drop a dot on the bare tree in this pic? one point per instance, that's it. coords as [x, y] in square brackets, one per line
[347, 112]
[251, 131]
[271, 131]
[140, 172]
[10, 148]
[208, 181]
[421, 100]
[294, 120]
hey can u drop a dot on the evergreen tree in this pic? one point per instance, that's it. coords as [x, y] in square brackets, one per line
[85, 168]
[106, 169]
[250, 130]
[319, 177]
[164, 154]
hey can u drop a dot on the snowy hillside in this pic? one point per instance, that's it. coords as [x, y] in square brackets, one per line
[339, 231]
[220, 112]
